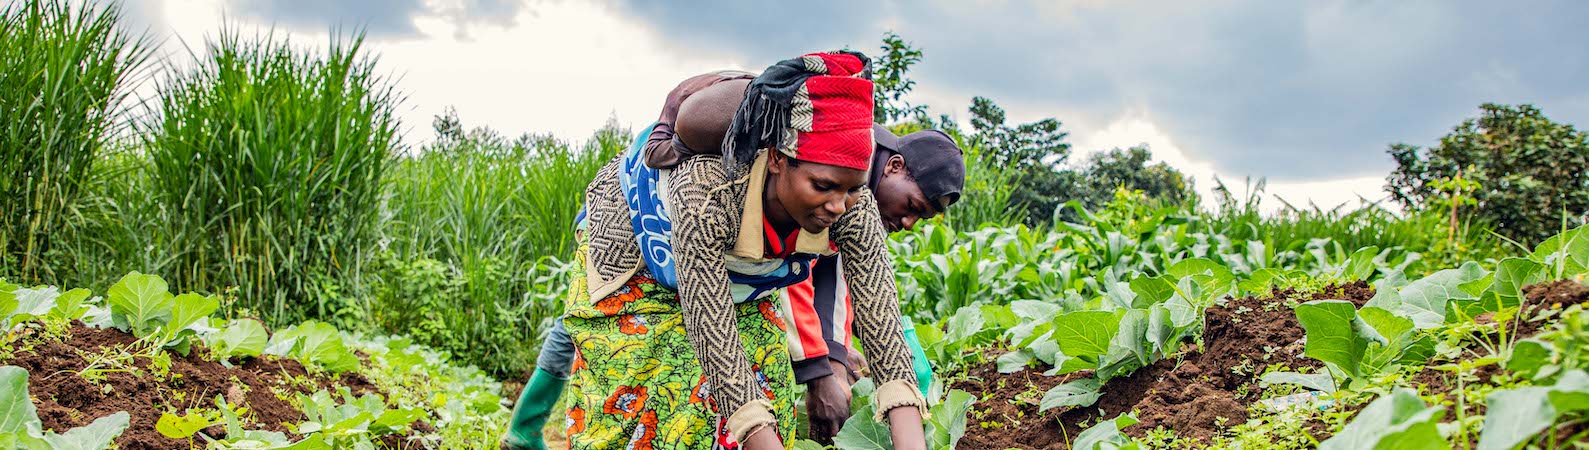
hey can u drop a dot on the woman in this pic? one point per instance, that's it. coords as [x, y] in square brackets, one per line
[678, 343]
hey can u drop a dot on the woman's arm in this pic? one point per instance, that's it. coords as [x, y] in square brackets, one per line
[863, 244]
[703, 228]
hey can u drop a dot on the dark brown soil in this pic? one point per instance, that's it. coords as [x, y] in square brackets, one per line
[1554, 295]
[1195, 394]
[66, 400]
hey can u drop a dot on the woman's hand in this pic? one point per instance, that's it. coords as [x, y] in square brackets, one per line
[904, 424]
[764, 439]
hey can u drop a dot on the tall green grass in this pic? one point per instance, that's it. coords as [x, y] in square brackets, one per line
[476, 226]
[64, 73]
[269, 160]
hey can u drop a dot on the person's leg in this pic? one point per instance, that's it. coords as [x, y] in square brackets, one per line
[540, 394]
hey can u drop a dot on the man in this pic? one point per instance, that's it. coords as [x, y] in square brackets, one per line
[913, 178]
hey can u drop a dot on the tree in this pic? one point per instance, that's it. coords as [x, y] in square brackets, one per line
[891, 83]
[1531, 173]
[1039, 144]
[1129, 169]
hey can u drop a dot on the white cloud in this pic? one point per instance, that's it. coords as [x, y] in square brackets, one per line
[1136, 128]
[565, 68]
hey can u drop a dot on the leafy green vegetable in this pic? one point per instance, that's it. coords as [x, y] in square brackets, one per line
[1335, 334]
[20, 426]
[1424, 301]
[1566, 254]
[1529, 356]
[1516, 415]
[1105, 433]
[242, 337]
[140, 303]
[862, 432]
[183, 426]
[1083, 392]
[355, 421]
[1085, 334]
[1397, 421]
[948, 422]
[314, 343]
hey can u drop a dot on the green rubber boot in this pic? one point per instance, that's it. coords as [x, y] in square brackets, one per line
[532, 410]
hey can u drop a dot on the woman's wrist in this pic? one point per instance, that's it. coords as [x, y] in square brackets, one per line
[905, 427]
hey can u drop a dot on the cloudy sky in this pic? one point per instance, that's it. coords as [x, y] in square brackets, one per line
[1307, 94]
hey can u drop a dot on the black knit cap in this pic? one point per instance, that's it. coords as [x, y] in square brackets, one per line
[934, 160]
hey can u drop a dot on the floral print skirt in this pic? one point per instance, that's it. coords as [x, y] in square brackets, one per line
[636, 383]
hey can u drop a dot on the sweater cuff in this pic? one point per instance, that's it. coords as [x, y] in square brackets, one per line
[807, 370]
[895, 394]
[749, 418]
[839, 352]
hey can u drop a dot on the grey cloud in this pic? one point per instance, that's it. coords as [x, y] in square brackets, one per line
[1290, 90]
[380, 18]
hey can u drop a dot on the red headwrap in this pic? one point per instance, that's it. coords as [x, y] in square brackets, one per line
[815, 108]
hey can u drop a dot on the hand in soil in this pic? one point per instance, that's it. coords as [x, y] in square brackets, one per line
[828, 405]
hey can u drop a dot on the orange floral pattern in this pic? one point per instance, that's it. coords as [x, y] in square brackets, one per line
[626, 401]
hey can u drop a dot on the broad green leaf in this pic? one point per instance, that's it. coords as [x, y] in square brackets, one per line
[1083, 392]
[1000, 317]
[69, 306]
[1045, 349]
[1085, 333]
[1398, 421]
[966, 322]
[16, 408]
[1424, 301]
[1529, 355]
[181, 427]
[186, 309]
[1162, 332]
[1064, 364]
[1515, 415]
[1335, 334]
[1566, 254]
[1321, 382]
[1511, 275]
[1571, 392]
[243, 337]
[1014, 361]
[320, 344]
[139, 303]
[33, 303]
[861, 394]
[1131, 339]
[189, 308]
[1104, 433]
[1182, 312]
[1199, 266]
[1397, 332]
[94, 436]
[802, 444]
[1151, 290]
[1477, 287]
[863, 433]
[1361, 264]
[948, 422]
[1261, 281]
